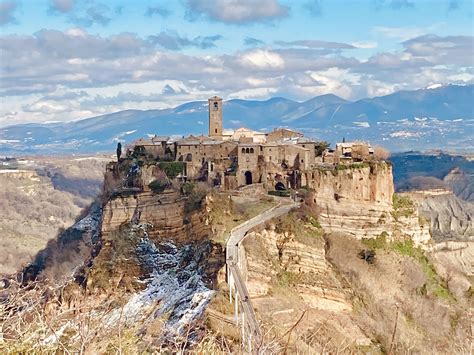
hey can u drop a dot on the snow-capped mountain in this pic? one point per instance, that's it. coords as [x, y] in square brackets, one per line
[438, 116]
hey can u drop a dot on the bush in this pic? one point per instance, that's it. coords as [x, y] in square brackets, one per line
[172, 169]
[284, 193]
[196, 197]
[158, 186]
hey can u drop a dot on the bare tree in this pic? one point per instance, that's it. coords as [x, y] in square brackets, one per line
[381, 153]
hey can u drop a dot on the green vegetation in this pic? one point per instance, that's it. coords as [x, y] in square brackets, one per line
[352, 166]
[287, 279]
[172, 168]
[196, 194]
[320, 147]
[158, 186]
[283, 193]
[403, 206]
[376, 243]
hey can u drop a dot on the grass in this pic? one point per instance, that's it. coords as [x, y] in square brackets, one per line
[229, 212]
[352, 166]
[435, 285]
[403, 206]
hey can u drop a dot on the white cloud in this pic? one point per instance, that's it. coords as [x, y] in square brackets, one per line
[237, 11]
[262, 59]
[365, 44]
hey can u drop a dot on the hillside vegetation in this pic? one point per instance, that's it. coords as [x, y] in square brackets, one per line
[37, 207]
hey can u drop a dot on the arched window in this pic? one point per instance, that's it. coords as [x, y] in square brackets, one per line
[243, 150]
[251, 150]
[247, 150]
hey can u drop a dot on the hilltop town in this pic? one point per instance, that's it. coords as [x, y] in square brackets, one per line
[279, 160]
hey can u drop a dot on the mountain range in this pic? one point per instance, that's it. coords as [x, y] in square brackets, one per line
[437, 117]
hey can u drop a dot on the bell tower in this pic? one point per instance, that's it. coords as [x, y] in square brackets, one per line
[215, 117]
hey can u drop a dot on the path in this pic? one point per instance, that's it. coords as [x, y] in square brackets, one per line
[249, 324]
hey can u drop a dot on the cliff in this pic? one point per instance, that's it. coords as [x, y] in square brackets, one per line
[450, 218]
[357, 200]
[288, 276]
[166, 212]
[461, 183]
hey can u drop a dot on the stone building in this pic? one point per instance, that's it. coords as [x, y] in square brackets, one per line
[215, 117]
[348, 153]
[281, 159]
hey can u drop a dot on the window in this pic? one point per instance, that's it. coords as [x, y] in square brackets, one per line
[247, 150]
[251, 150]
[215, 131]
[243, 150]
[270, 158]
[216, 106]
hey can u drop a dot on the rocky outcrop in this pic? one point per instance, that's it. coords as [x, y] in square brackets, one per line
[166, 212]
[288, 275]
[461, 183]
[449, 217]
[357, 200]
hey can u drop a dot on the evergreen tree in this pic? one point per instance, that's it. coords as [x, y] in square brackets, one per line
[119, 151]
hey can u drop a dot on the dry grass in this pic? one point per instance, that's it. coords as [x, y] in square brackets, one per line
[397, 292]
[227, 212]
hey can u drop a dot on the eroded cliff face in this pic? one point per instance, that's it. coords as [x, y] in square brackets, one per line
[358, 200]
[306, 282]
[288, 278]
[166, 212]
[449, 217]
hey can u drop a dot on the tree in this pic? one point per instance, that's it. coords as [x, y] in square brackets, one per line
[119, 151]
[320, 147]
[381, 153]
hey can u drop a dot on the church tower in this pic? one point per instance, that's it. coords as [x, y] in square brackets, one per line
[215, 117]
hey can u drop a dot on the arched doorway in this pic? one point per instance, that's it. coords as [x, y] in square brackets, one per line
[248, 178]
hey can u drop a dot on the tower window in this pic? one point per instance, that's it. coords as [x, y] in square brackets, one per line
[216, 106]
[215, 131]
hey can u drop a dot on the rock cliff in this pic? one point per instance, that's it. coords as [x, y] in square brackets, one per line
[166, 212]
[291, 283]
[357, 200]
[461, 183]
[450, 218]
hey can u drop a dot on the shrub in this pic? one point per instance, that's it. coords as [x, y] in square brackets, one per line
[196, 197]
[158, 186]
[172, 169]
[376, 243]
[187, 188]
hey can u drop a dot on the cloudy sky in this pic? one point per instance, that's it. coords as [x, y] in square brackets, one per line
[68, 59]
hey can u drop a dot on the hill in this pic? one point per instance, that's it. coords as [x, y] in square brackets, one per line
[405, 120]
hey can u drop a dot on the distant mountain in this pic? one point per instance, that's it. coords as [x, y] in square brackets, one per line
[439, 117]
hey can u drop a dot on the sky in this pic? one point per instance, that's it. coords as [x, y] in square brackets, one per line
[63, 60]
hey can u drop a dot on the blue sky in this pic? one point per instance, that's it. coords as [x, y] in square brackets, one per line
[71, 59]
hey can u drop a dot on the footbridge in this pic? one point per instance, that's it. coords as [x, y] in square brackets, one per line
[244, 311]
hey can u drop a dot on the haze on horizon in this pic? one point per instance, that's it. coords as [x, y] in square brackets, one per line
[62, 60]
